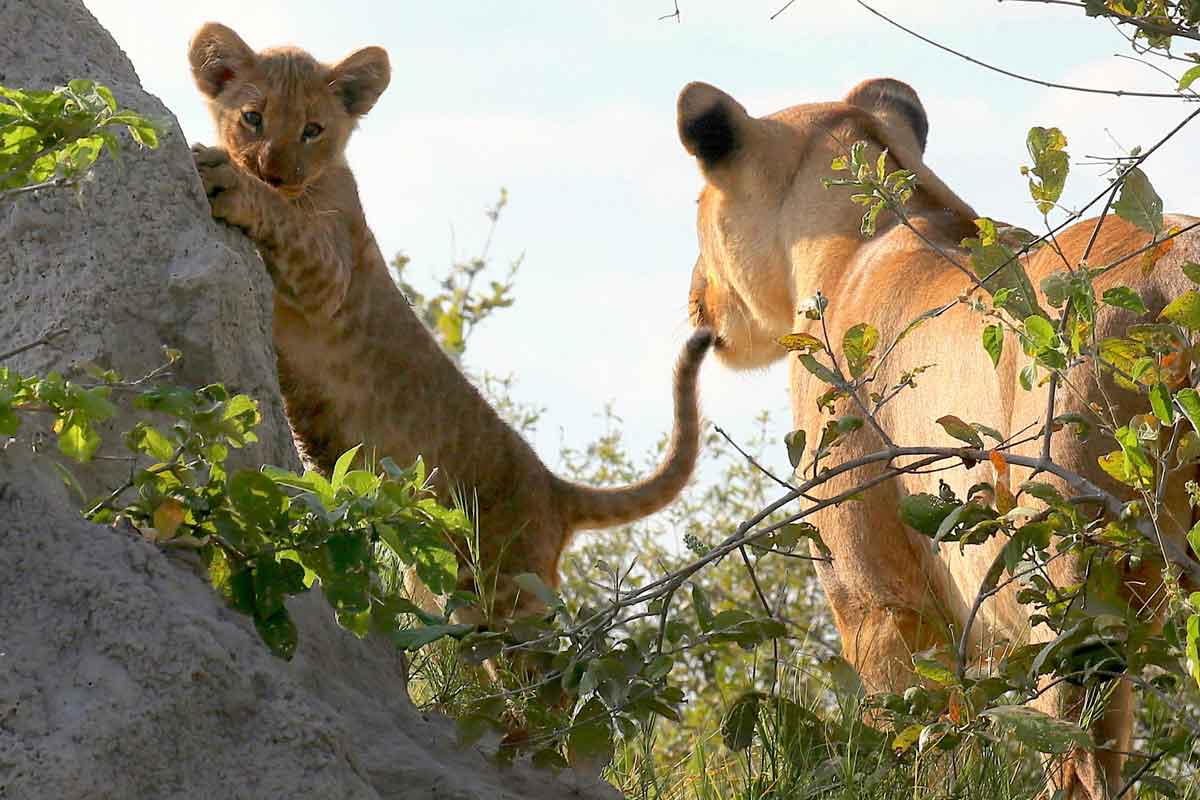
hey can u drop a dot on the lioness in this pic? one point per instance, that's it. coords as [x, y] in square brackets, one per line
[355, 362]
[771, 236]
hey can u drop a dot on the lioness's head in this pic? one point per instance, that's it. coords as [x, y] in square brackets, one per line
[282, 115]
[767, 227]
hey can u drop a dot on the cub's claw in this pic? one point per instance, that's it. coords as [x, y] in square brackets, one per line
[216, 172]
[222, 184]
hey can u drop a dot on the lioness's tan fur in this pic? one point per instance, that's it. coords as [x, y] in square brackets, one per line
[770, 236]
[356, 365]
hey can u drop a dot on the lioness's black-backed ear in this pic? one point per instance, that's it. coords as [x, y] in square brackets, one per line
[217, 55]
[712, 124]
[360, 78]
[894, 102]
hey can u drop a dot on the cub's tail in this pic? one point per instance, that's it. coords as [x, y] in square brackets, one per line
[589, 507]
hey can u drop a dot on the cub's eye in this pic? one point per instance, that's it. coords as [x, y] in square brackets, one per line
[311, 131]
[252, 118]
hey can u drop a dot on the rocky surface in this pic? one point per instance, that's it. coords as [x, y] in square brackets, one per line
[122, 675]
[136, 263]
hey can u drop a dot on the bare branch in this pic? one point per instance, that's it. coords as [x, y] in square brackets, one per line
[786, 6]
[1018, 76]
[45, 338]
[1144, 25]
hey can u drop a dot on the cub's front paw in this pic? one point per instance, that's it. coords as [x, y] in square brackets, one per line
[224, 184]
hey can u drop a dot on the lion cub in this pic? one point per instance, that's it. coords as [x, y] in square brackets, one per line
[355, 362]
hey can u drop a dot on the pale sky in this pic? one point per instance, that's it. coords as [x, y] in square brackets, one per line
[571, 107]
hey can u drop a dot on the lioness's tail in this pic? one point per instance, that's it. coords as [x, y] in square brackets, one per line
[589, 507]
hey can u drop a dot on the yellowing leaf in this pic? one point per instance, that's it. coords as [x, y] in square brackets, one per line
[907, 737]
[1151, 256]
[800, 343]
[1184, 310]
[857, 345]
[960, 430]
[168, 517]
[1050, 166]
[1005, 501]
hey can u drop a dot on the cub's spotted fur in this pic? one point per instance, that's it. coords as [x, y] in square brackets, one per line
[355, 363]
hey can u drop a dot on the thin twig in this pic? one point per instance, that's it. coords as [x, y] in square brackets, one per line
[45, 338]
[786, 6]
[1145, 25]
[753, 462]
[1142, 770]
[1018, 76]
[53, 183]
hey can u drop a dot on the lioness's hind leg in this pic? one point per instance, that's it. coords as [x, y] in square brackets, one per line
[1093, 774]
[881, 643]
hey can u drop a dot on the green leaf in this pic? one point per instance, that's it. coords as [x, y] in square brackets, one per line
[1160, 403]
[258, 499]
[1184, 310]
[703, 609]
[415, 638]
[986, 430]
[1189, 401]
[1050, 166]
[1041, 332]
[1139, 471]
[934, 670]
[833, 432]
[1057, 287]
[147, 439]
[1051, 358]
[1192, 270]
[531, 583]
[1139, 203]
[925, 512]
[1126, 298]
[1027, 376]
[1040, 731]
[78, 441]
[279, 633]
[1187, 78]
[960, 430]
[1001, 271]
[795, 442]
[343, 466]
[993, 343]
[1083, 427]
[845, 680]
[1044, 492]
[857, 345]
[819, 370]
[589, 742]
[737, 729]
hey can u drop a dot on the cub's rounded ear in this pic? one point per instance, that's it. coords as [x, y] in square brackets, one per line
[218, 55]
[359, 79]
[712, 125]
[894, 102]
